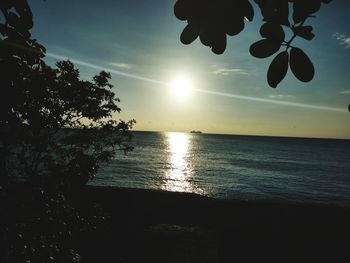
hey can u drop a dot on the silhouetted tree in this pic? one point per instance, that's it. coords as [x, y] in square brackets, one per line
[53, 125]
[55, 131]
[211, 21]
[18, 55]
[65, 127]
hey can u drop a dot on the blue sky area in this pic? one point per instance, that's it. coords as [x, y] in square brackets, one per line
[138, 42]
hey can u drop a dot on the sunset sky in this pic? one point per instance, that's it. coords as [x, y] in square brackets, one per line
[138, 42]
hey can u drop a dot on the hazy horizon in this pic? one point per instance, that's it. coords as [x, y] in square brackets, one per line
[237, 134]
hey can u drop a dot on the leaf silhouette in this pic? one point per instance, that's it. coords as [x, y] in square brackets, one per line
[183, 9]
[301, 65]
[213, 20]
[304, 32]
[272, 31]
[302, 9]
[205, 37]
[219, 44]
[249, 11]
[264, 48]
[233, 29]
[275, 11]
[189, 34]
[278, 69]
[13, 19]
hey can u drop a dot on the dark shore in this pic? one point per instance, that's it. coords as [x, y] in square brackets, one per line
[159, 226]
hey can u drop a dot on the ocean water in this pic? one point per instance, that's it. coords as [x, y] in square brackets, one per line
[235, 167]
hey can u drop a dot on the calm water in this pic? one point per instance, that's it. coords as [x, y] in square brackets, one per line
[240, 167]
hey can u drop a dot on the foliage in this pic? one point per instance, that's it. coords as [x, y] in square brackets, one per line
[45, 226]
[55, 127]
[213, 20]
[55, 131]
[65, 127]
[18, 54]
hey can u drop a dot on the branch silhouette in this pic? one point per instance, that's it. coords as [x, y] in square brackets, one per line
[213, 21]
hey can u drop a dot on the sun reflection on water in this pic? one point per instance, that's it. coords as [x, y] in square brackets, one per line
[178, 176]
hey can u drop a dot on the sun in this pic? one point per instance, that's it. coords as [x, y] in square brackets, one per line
[181, 87]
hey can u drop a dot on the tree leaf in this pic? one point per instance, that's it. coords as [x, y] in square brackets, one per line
[275, 11]
[304, 32]
[249, 11]
[233, 28]
[301, 65]
[189, 34]
[182, 10]
[219, 44]
[302, 9]
[264, 48]
[272, 31]
[13, 19]
[206, 37]
[278, 69]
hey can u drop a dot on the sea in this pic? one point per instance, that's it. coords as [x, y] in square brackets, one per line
[297, 170]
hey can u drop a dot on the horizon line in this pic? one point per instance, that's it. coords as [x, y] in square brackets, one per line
[249, 135]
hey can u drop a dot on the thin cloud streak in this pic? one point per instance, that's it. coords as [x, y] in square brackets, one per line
[230, 95]
[117, 72]
[121, 65]
[229, 71]
[286, 103]
[280, 96]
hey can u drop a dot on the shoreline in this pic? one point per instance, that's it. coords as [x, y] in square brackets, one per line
[159, 226]
[154, 198]
[223, 230]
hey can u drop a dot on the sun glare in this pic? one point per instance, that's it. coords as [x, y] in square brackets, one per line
[181, 87]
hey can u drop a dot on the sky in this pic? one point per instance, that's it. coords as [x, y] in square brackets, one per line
[138, 42]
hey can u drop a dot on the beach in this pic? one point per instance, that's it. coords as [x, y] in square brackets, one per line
[160, 226]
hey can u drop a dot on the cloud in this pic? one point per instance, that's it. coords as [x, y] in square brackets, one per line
[345, 92]
[121, 65]
[228, 71]
[280, 96]
[342, 39]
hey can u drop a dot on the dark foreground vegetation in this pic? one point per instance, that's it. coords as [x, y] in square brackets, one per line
[134, 225]
[53, 217]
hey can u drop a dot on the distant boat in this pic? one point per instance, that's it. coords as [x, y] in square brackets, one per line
[196, 132]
